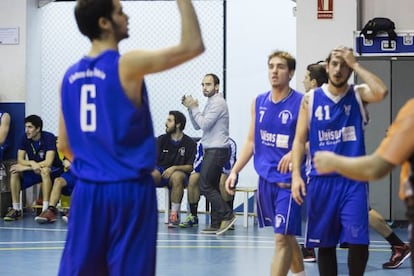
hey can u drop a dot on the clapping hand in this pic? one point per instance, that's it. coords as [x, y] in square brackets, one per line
[189, 101]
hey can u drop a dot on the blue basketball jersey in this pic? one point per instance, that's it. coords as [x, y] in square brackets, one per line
[275, 127]
[332, 131]
[227, 167]
[111, 138]
[36, 150]
[232, 157]
[198, 161]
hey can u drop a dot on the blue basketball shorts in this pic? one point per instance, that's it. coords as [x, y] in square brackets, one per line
[70, 179]
[112, 229]
[337, 212]
[276, 207]
[165, 181]
[30, 178]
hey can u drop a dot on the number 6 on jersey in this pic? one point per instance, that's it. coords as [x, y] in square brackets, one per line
[88, 110]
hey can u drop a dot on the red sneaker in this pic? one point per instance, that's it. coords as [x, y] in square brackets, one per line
[174, 220]
[47, 216]
[399, 254]
[309, 255]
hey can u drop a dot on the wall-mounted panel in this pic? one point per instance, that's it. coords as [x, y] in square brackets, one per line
[396, 72]
[152, 25]
[380, 118]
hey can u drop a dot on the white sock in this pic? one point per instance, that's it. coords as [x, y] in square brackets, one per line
[302, 273]
[175, 207]
[45, 205]
[16, 206]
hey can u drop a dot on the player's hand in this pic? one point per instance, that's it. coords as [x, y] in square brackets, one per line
[285, 163]
[185, 100]
[66, 164]
[36, 167]
[298, 189]
[230, 184]
[347, 54]
[189, 102]
[168, 172]
[14, 168]
[324, 162]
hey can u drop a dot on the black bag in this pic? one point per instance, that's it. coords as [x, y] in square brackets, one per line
[379, 25]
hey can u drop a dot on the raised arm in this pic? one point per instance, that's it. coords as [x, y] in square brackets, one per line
[207, 119]
[135, 64]
[374, 89]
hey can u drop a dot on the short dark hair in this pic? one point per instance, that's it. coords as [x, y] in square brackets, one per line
[179, 118]
[317, 71]
[216, 79]
[35, 120]
[87, 14]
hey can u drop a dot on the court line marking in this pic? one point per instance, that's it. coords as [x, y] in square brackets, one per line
[176, 247]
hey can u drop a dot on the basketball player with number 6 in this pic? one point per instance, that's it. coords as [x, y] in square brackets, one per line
[105, 127]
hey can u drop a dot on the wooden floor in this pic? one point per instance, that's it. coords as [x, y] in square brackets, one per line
[27, 248]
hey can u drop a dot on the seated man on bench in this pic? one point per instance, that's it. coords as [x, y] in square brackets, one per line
[176, 153]
[41, 166]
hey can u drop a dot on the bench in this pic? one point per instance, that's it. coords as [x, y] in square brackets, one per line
[246, 193]
[166, 203]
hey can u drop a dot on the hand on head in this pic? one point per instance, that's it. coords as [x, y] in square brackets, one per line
[347, 54]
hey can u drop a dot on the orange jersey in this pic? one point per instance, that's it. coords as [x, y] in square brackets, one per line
[398, 145]
[405, 173]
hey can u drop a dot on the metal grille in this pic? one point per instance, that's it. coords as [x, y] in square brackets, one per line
[152, 24]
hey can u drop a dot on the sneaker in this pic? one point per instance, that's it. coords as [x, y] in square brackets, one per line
[225, 225]
[399, 254]
[309, 255]
[209, 230]
[190, 221]
[12, 215]
[173, 221]
[65, 218]
[47, 216]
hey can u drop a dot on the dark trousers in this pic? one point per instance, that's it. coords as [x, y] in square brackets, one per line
[213, 161]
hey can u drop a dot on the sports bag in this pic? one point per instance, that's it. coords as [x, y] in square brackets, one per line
[379, 25]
